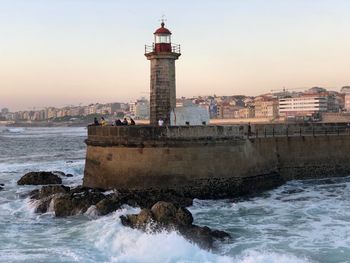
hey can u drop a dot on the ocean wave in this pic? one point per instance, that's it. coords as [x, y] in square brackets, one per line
[123, 244]
[268, 257]
[14, 130]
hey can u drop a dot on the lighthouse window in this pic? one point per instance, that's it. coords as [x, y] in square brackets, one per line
[162, 39]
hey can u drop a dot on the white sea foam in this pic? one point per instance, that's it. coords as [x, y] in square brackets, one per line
[268, 257]
[122, 244]
[13, 130]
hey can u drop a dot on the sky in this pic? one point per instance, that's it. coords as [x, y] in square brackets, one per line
[64, 52]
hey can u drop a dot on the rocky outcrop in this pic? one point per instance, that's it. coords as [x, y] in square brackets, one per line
[155, 215]
[76, 203]
[167, 216]
[67, 201]
[62, 174]
[39, 178]
[2, 186]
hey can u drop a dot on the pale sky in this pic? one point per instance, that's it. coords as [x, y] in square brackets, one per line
[59, 52]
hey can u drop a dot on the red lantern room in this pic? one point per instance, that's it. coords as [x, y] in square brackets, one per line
[162, 39]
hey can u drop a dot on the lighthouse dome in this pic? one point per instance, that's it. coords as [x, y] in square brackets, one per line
[162, 30]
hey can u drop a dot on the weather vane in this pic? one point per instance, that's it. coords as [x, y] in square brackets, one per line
[163, 19]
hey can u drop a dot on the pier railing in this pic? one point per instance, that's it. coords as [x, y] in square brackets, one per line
[292, 130]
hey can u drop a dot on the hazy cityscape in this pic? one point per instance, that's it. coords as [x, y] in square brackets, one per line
[314, 104]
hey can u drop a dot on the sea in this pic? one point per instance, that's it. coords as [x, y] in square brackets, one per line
[301, 221]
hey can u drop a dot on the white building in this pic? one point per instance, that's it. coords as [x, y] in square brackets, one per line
[346, 91]
[189, 114]
[140, 109]
[305, 105]
[347, 102]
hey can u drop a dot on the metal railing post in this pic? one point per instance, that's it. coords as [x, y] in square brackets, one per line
[299, 131]
[265, 131]
[287, 131]
[273, 131]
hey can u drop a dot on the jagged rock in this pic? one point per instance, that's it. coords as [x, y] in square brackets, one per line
[49, 190]
[80, 198]
[144, 217]
[1, 188]
[32, 194]
[39, 178]
[199, 235]
[2, 184]
[42, 205]
[106, 206]
[75, 202]
[62, 174]
[147, 198]
[63, 206]
[45, 195]
[165, 215]
[183, 217]
[59, 173]
[164, 212]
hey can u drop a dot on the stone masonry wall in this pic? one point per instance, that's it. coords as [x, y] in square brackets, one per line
[208, 161]
[163, 90]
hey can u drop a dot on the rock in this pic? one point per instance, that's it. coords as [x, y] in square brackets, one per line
[1, 188]
[80, 198]
[144, 218]
[106, 206]
[2, 184]
[164, 212]
[76, 202]
[39, 178]
[45, 195]
[146, 199]
[140, 221]
[129, 220]
[42, 205]
[218, 234]
[167, 216]
[62, 174]
[63, 206]
[184, 217]
[59, 173]
[49, 190]
[199, 235]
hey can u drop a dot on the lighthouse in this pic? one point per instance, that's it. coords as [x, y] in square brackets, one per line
[162, 55]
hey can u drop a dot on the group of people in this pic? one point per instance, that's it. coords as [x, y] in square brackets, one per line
[117, 122]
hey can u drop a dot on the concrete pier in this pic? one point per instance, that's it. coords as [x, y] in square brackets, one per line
[213, 161]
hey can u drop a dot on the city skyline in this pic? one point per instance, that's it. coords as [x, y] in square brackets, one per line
[95, 54]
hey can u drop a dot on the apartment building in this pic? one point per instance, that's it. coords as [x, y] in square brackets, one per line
[304, 105]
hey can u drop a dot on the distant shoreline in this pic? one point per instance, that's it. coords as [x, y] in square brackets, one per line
[44, 124]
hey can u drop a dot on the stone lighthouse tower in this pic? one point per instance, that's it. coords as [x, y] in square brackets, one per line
[162, 55]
